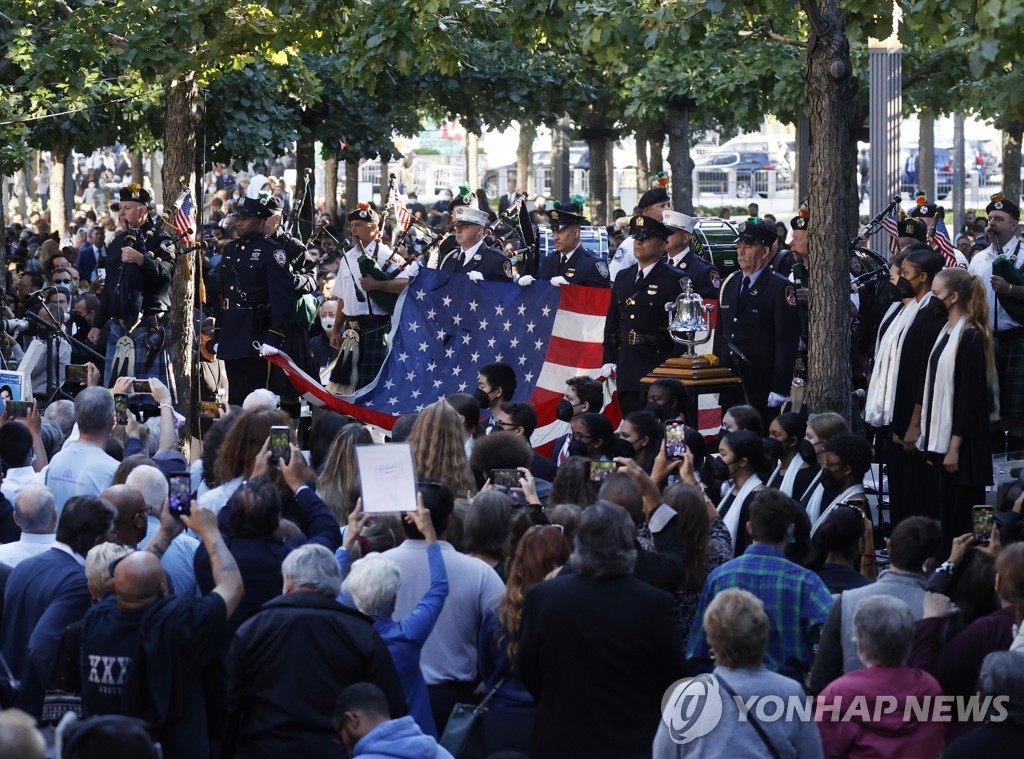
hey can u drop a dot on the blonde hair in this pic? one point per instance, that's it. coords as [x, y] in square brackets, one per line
[974, 300]
[438, 446]
[827, 423]
[97, 567]
[737, 628]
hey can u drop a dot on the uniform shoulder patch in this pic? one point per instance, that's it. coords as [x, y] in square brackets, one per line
[602, 268]
[790, 295]
[619, 253]
[280, 257]
[716, 278]
[506, 268]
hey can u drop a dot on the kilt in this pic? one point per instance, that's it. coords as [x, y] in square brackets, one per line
[1010, 368]
[373, 346]
[159, 365]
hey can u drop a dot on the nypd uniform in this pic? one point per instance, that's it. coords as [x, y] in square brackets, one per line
[256, 302]
[494, 265]
[580, 267]
[929, 213]
[137, 297]
[624, 257]
[636, 335]
[704, 276]
[758, 317]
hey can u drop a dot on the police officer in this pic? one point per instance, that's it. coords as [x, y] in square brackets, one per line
[758, 329]
[652, 203]
[257, 300]
[930, 213]
[472, 257]
[636, 338]
[571, 263]
[678, 253]
[136, 296]
[911, 230]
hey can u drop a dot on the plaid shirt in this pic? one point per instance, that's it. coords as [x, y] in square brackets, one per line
[795, 599]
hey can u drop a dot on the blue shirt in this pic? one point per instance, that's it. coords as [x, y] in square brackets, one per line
[795, 600]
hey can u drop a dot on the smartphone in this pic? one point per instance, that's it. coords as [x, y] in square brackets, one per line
[599, 470]
[140, 386]
[76, 373]
[982, 518]
[505, 478]
[209, 408]
[17, 408]
[179, 496]
[280, 437]
[121, 408]
[675, 441]
[101, 274]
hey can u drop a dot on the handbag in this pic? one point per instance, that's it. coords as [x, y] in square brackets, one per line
[750, 719]
[464, 734]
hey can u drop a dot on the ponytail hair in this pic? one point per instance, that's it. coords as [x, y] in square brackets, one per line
[974, 298]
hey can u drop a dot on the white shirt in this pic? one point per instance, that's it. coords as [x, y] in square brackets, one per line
[981, 266]
[17, 478]
[347, 283]
[79, 469]
[467, 255]
[256, 183]
[67, 549]
[622, 259]
[218, 498]
[679, 257]
[27, 546]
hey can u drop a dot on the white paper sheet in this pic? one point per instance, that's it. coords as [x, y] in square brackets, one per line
[387, 477]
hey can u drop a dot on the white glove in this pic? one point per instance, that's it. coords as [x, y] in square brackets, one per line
[608, 369]
[559, 281]
[475, 276]
[525, 281]
[775, 400]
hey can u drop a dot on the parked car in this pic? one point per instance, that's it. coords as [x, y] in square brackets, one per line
[714, 171]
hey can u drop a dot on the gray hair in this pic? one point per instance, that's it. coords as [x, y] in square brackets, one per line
[61, 413]
[604, 543]
[97, 567]
[94, 407]
[883, 628]
[151, 482]
[1002, 674]
[35, 510]
[312, 567]
[373, 584]
[52, 435]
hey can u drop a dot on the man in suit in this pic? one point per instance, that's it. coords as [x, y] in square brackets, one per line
[510, 197]
[472, 257]
[48, 592]
[758, 330]
[598, 647]
[93, 255]
[636, 338]
[571, 263]
[703, 275]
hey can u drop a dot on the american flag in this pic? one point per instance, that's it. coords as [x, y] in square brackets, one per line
[402, 215]
[943, 243]
[184, 219]
[890, 224]
[446, 327]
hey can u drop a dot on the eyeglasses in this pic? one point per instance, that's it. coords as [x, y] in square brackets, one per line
[62, 281]
[582, 438]
[507, 425]
[831, 465]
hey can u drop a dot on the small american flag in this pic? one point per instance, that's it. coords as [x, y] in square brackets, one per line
[943, 243]
[185, 216]
[402, 215]
[889, 224]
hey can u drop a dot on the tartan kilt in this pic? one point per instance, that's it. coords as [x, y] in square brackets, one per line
[373, 346]
[160, 364]
[1010, 368]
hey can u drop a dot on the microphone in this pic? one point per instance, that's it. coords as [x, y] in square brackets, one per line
[44, 292]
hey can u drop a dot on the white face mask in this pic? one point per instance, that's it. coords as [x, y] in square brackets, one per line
[327, 323]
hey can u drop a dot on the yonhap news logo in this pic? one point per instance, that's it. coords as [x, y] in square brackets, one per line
[691, 708]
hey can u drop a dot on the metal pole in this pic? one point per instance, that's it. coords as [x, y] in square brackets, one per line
[959, 177]
[886, 102]
[560, 187]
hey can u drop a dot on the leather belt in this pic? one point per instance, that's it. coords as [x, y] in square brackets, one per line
[228, 304]
[634, 338]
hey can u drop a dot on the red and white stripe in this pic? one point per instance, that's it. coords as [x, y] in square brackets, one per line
[402, 215]
[185, 216]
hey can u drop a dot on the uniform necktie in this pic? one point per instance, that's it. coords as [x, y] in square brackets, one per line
[744, 287]
[639, 276]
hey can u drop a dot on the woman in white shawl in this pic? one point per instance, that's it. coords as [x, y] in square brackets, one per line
[792, 474]
[743, 454]
[820, 428]
[959, 401]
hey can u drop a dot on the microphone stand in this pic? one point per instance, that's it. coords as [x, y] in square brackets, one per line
[57, 328]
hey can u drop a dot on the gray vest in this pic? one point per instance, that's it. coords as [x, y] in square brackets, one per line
[906, 586]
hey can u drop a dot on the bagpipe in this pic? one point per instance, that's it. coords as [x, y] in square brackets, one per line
[875, 265]
[515, 224]
[1005, 266]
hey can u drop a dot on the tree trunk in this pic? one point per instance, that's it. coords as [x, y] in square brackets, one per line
[305, 162]
[57, 206]
[138, 172]
[657, 142]
[1011, 158]
[524, 160]
[472, 160]
[331, 187]
[830, 98]
[385, 169]
[598, 145]
[643, 166]
[926, 158]
[351, 185]
[679, 160]
[181, 120]
[609, 160]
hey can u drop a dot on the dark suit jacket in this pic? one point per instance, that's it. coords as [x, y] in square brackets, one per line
[584, 267]
[491, 262]
[504, 202]
[44, 595]
[598, 655]
[705, 277]
[556, 449]
[542, 468]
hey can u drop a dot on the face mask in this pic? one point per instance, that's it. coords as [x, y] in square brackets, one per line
[904, 289]
[806, 449]
[828, 480]
[564, 410]
[327, 324]
[577, 448]
[482, 398]
[654, 408]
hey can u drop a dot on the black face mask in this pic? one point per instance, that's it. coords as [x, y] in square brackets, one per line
[828, 480]
[564, 410]
[806, 450]
[577, 448]
[904, 289]
[657, 409]
[482, 398]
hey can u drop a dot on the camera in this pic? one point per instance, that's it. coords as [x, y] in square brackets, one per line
[14, 326]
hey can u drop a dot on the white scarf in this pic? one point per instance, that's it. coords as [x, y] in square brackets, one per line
[937, 408]
[732, 517]
[881, 390]
[811, 486]
[789, 478]
[842, 498]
